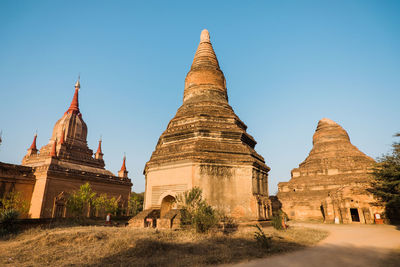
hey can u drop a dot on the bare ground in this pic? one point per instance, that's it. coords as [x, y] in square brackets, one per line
[347, 245]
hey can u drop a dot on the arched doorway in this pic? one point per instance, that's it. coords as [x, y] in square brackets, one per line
[166, 205]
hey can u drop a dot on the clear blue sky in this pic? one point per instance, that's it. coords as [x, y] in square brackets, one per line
[287, 65]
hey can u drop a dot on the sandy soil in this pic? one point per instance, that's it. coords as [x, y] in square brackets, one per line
[347, 245]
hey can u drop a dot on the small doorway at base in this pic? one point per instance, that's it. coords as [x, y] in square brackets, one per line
[59, 212]
[355, 217]
[167, 204]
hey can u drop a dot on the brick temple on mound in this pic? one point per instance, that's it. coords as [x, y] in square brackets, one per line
[206, 145]
[331, 184]
[48, 175]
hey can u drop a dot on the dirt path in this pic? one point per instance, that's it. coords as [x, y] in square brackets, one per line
[347, 245]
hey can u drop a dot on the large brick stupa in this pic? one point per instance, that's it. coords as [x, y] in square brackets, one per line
[206, 145]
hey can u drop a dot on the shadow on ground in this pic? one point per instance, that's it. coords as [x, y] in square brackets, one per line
[332, 255]
[218, 250]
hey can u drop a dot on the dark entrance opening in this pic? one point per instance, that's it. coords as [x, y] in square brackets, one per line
[354, 215]
[59, 211]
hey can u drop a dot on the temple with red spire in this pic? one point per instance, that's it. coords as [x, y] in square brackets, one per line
[206, 145]
[66, 162]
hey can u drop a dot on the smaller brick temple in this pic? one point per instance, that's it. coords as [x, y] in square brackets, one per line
[331, 183]
[48, 175]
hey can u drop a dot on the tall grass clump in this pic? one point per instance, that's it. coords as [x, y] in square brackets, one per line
[263, 240]
[195, 211]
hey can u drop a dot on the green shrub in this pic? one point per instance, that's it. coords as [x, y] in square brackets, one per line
[228, 224]
[195, 212]
[8, 220]
[277, 220]
[263, 240]
[204, 218]
[14, 201]
[186, 217]
[135, 204]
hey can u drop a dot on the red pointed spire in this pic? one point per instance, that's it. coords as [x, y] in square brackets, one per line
[123, 168]
[99, 148]
[33, 146]
[62, 137]
[53, 152]
[74, 107]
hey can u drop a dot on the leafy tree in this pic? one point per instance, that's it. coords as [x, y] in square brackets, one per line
[80, 199]
[103, 204]
[14, 201]
[12, 205]
[135, 203]
[386, 183]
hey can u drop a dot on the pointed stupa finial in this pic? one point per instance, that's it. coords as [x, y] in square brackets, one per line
[78, 84]
[99, 147]
[123, 167]
[74, 107]
[123, 173]
[205, 36]
[32, 150]
[205, 80]
[205, 56]
[33, 146]
[99, 154]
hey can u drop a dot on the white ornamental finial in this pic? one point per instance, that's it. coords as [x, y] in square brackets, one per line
[204, 36]
[78, 84]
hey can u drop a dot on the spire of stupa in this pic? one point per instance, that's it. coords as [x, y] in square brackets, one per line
[32, 150]
[33, 146]
[123, 173]
[99, 153]
[332, 149]
[329, 131]
[205, 55]
[99, 147]
[205, 80]
[123, 167]
[74, 107]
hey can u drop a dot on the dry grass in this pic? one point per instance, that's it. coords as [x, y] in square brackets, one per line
[112, 246]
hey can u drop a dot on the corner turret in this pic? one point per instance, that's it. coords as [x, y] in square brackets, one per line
[123, 173]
